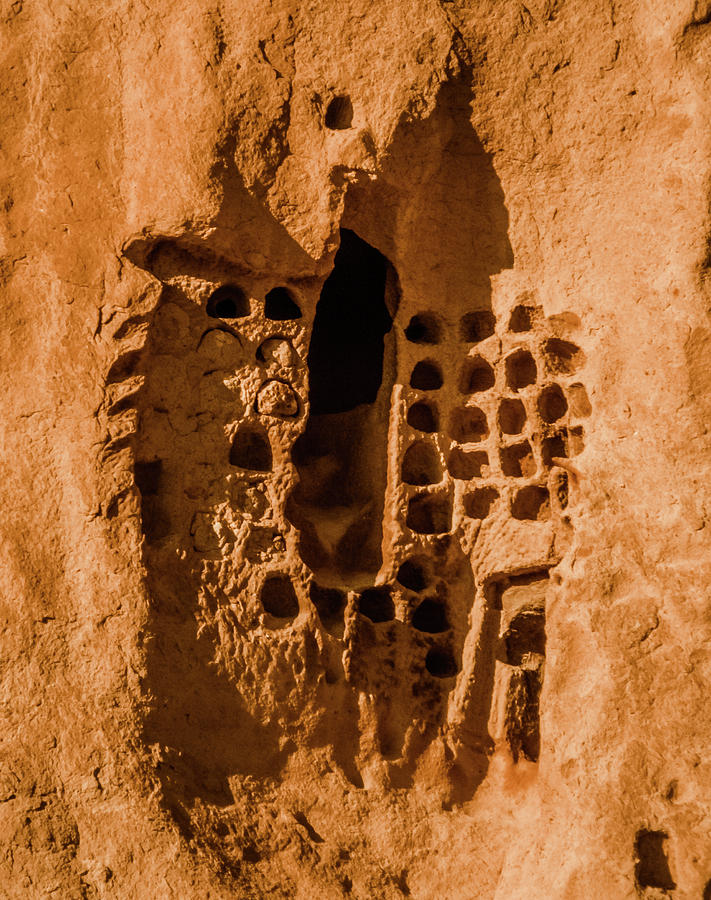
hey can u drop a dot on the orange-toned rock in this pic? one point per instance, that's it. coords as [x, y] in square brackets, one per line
[355, 385]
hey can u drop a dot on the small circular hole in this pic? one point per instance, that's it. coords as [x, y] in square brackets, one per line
[426, 376]
[280, 306]
[339, 113]
[440, 663]
[412, 574]
[423, 417]
[278, 597]
[430, 616]
[520, 370]
[376, 604]
[228, 302]
[552, 404]
[423, 329]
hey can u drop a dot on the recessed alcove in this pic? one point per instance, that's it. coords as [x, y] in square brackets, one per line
[423, 416]
[251, 449]
[421, 465]
[228, 302]
[339, 113]
[341, 456]
[280, 305]
[423, 328]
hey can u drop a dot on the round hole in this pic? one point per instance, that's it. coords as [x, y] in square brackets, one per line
[430, 616]
[280, 306]
[228, 302]
[426, 376]
[339, 113]
[420, 464]
[440, 663]
[278, 597]
[477, 376]
[376, 604]
[423, 416]
[520, 370]
[552, 404]
[412, 574]
[477, 326]
[512, 416]
[429, 514]
[423, 329]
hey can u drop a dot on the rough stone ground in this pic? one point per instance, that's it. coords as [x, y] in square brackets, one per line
[356, 366]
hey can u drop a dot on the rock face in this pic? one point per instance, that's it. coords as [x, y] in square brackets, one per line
[356, 386]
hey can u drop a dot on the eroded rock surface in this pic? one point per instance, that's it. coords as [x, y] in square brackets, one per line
[355, 450]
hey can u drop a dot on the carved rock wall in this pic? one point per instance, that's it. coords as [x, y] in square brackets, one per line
[355, 386]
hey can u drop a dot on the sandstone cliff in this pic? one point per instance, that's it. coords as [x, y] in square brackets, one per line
[356, 378]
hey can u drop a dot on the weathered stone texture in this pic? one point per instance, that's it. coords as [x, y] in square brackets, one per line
[355, 441]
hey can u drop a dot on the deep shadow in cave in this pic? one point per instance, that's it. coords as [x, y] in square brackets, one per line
[341, 456]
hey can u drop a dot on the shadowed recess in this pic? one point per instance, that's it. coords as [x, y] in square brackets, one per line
[520, 370]
[531, 502]
[512, 416]
[478, 503]
[149, 477]
[554, 447]
[477, 375]
[423, 416]
[423, 329]
[430, 616]
[477, 326]
[464, 465]
[552, 404]
[339, 113]
[413, 574]
[517, 461]
[440, 662]
[579, 402]
[228, 302]
[330, 604]
[429, 514]
[563, 357]
[420, 464]
[468, 424]
[341, 457]
[652, 869]
[280, 306]
[426, 376]
[251, 450]
[278, 597]
[376, 604]
[521, 319]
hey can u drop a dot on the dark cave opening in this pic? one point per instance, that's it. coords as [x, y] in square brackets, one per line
[346, 351]
[340, 457]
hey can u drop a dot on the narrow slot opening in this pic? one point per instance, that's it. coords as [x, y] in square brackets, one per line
[341, 457]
